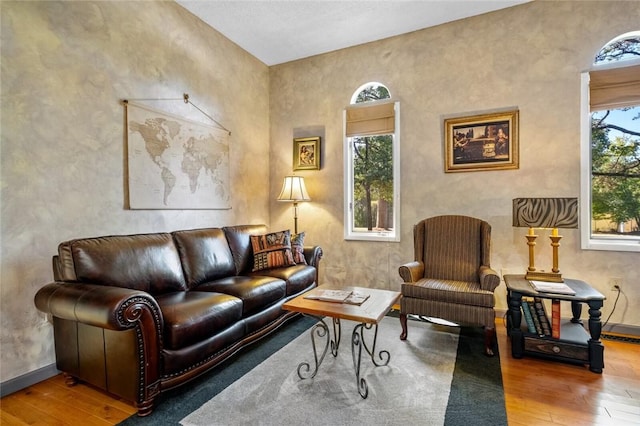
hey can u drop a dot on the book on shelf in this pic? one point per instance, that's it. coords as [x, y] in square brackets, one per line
[534, 318]
[555, 318]
[541, 312]
[528, 319]
[338, 296]
[549, 287]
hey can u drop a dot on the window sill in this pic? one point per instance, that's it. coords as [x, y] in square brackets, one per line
[611, 245]
[373, 236]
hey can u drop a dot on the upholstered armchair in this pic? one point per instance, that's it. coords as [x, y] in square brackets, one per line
[451, 277]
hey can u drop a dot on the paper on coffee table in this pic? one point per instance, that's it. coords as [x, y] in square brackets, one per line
[339, 296]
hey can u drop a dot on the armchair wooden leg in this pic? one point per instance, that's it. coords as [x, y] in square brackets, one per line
[489, 341]
[403, 323]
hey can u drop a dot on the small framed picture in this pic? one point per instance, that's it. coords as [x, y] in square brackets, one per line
[306, 153]
[482, 142]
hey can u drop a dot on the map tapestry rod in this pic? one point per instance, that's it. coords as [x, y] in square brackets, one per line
[185, 98]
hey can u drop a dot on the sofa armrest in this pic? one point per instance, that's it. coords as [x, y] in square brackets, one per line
[114, 308]
[312, 255]
[412, 271]
[489, 279]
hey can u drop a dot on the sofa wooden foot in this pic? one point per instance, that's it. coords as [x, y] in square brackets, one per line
[145, 408]
[403, 324]
[69, 380]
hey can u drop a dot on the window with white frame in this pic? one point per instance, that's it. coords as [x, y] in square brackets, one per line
[372, 171]
[610, 181]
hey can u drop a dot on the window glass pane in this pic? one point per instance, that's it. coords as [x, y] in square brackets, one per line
[615, 142]
[372, 183]
[371, 169]
[610, 148]
[615, 173]
[622, 48]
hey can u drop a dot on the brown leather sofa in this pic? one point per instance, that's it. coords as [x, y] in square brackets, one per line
[136, 315]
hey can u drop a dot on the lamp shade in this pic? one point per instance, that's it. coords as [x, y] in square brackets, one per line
[545, 212]
[293, 190]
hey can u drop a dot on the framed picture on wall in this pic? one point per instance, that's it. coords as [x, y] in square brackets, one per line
[306, 153]
[481, 142]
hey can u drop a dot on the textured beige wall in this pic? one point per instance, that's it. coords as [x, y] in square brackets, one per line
[528, 57]
[65, 67]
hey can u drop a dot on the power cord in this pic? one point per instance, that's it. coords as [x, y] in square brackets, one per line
[617, 287]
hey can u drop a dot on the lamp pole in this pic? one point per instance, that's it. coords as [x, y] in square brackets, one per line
[295, 217]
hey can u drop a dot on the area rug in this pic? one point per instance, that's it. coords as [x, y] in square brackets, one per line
[437, 377]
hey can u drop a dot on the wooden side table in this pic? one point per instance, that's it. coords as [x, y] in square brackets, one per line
[575, 343]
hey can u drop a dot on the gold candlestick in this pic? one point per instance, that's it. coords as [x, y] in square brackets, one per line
[531, 242]
[555, 243]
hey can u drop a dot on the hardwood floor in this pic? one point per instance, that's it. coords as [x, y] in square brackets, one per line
[542, 392]
[537, 392]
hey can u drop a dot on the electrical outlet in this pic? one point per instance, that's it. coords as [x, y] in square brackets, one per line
[615, 283]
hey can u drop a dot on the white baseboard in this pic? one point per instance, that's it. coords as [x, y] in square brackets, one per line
[629, 330]
[28, 379]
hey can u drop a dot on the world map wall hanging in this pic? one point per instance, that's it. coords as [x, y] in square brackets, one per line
[174, 162]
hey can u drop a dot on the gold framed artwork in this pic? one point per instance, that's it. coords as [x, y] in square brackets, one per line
[306, 153]
[481, 142]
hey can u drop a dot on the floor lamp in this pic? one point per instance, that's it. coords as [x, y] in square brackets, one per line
[551, 213]
[294, 191]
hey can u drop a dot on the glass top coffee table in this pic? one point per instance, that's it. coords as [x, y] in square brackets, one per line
[368, 314]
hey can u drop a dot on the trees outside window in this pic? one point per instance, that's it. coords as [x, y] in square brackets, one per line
[371, 170]
[615, 171]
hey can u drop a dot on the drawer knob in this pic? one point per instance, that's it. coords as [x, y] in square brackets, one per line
[556, 350]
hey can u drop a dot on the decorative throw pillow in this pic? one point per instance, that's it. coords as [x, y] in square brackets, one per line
[272, 250]
[297, 247]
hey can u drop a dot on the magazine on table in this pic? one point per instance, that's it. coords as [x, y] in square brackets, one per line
[338, 296]
[549, 287]
[356, 298]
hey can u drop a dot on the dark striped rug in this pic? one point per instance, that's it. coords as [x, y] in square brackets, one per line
[475, 396]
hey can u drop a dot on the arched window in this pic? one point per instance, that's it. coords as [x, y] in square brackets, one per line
[610, 154]
[372, 172]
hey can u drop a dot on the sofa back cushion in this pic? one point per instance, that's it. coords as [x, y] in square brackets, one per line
[148, 262]
[239, 238]
[205, 255]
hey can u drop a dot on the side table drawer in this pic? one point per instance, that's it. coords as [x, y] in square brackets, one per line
[556, 349]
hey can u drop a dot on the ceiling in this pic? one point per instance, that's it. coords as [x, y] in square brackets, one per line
[281, 31]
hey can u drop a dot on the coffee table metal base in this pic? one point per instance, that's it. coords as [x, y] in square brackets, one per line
[358, 342]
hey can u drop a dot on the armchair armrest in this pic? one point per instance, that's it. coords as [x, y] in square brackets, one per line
[114, 308]
[412, 271]
[489, 279]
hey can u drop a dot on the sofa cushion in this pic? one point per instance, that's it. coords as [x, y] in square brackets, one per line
[271, 250]
[239, 241]
[449, 291]
[146, 262]
[297, 248]
[256, 292]
[192, 316]
[297, 277]
[205, 255]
